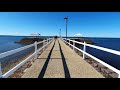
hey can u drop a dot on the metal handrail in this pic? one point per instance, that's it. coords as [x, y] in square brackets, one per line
[97, 47]
[2, 55]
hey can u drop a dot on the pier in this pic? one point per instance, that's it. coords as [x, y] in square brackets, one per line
[58, 60]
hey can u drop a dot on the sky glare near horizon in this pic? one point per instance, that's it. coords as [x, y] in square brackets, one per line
[89, 24]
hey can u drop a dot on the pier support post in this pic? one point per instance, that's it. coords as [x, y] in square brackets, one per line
[36, 50]
[84, 49]
[0, 71]
[73, 46]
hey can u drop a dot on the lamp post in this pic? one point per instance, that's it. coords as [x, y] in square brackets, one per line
[66, 18]
[60, 33]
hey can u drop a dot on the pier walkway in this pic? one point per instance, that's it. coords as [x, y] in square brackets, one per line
[59, 61]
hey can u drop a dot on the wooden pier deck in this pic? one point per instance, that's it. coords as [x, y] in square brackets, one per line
[60, 61]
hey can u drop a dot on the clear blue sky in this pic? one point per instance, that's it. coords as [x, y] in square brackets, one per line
[89, 24]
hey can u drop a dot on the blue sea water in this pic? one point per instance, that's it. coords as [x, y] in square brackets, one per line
[111, 43]
[8, 42]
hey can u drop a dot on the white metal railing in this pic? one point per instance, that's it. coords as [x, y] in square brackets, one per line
[35, 54]
[97, 47]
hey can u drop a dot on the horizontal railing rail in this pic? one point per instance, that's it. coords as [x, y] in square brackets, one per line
[35, 54]
[5, 54]
[97, 47]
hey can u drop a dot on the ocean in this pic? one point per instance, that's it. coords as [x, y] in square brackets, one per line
[111, 43]
[7, 43]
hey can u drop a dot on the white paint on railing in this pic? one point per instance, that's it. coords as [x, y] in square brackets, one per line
[76, 42]
[98, 60]
[100, 48]
[2, 55]
[73, 46]
[10, 72]
[104, 49]
[103, 63]
[84, 49]
[47, 41]
[119, 76]
[36, 50]
[42, 47]
[44, 44]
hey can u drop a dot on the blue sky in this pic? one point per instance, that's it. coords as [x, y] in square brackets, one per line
[89, 24]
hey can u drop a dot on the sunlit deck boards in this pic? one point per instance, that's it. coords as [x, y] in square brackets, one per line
[50, 64]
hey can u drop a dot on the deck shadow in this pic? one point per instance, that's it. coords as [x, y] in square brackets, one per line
[66, 70]
[41, 75]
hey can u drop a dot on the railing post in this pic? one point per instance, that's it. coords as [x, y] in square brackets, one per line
[0, 71]
[43, 45]
[84, 49]
[47, 40]
[118, 75]
[36, 50]
[73, 46]
[46, 43]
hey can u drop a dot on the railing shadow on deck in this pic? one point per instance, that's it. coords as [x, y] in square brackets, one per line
[66, 70]
[41, 75]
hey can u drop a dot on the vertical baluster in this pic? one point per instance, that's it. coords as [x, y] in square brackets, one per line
[36, 50]
[73, 46]
[84, 49]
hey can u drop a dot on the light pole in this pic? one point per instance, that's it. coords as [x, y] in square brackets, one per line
[60, 33]
[66, 18]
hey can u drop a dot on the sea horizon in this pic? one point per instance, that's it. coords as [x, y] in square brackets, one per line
[58, 36]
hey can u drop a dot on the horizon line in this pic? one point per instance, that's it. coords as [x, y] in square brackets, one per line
[68, 36]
